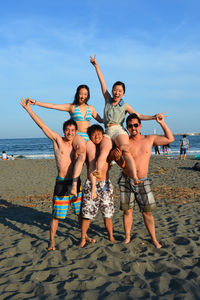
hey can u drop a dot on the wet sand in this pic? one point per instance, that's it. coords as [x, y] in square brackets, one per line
[102, 270]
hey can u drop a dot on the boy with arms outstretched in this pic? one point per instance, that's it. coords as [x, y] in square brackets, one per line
[65, 156]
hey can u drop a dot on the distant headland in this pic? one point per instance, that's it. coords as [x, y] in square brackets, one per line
[187, 133]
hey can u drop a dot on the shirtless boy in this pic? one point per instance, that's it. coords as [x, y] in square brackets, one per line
[140, 149]
[104, 190]
[65, 156]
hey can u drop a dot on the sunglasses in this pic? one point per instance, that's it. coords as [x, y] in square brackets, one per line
[133, 125]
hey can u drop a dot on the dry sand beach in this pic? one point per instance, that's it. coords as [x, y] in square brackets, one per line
[102, 270]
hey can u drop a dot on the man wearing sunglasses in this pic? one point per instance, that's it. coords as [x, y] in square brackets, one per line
[140, 149]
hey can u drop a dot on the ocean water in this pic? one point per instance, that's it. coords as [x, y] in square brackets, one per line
[37, 148]
[194, 145]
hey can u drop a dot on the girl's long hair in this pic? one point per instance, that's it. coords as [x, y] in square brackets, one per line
[76, 97]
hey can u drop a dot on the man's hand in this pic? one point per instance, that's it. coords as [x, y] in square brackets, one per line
[31, 101]
[93, 60]
[160, 117]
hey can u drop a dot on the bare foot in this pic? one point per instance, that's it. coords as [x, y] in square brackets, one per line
[74, 190]
[82, 243]
[156, 244]
[137, 181]
[127, 240]
[112, 240]
[52, 247]
[97, 174]
[85, 240]
[90, 240]
[94, 195]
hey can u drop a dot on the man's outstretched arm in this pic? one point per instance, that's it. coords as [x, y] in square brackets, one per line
[168, 136]
[47, 131]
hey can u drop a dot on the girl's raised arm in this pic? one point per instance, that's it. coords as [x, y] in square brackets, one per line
[63, 107]
[101, 78]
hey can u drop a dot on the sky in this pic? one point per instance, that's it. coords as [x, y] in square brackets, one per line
[153, 46]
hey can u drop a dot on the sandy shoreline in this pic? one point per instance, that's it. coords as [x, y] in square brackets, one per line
[103, 270]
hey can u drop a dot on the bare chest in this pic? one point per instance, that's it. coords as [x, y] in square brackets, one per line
[140, 149]
[65, 152]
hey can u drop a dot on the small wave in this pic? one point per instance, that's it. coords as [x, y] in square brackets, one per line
[193, 151]
[35, 156]
[177, 152]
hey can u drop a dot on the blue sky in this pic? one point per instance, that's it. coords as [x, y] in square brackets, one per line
[151, 45]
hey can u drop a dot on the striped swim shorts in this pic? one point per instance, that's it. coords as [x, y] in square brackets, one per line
[62, 198]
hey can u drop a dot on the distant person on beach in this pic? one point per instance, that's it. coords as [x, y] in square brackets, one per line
[4, 155]
[114, 114]
[140, 149]
[165, 150]
[81, 113]
[65, 156]
[104, 190]
[157, 150]
[184, 146]
[168, 148]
